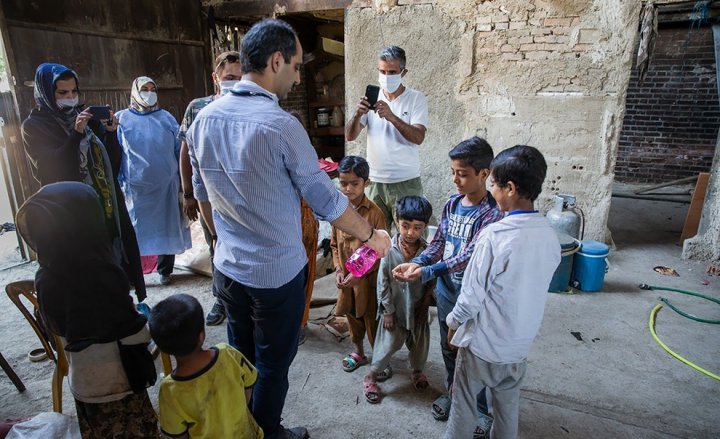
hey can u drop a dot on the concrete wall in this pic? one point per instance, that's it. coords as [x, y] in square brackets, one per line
[705, 245]
[548, 73]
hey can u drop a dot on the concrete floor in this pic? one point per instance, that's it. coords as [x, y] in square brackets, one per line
[617, 382]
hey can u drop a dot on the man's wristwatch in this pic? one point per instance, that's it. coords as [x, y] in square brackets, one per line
[188, 195]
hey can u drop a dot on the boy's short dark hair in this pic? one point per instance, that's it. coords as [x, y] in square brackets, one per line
[475, 152]
[357, 165]
[413, 208]
[262, 40]
[523, 165]
[176, 323]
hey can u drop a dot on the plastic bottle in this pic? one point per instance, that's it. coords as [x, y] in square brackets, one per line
[361, 261]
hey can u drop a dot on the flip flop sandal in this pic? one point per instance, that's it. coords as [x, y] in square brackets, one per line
[371, 391]
[441, 408]
[482, 431]
[419, 380]
[385, 375]
[353, 361]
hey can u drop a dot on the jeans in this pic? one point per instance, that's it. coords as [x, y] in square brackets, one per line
[444, 307]
[264, 324]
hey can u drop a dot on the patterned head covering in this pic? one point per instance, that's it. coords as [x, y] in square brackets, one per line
[46, 75]
[137, 102]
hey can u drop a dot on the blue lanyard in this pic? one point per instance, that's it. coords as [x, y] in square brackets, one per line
[519, 212]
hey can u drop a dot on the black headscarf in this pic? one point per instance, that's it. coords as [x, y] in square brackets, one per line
[46, 75]
[82, 292]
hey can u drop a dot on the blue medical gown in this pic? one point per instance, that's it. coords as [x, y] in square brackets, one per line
[149, 177]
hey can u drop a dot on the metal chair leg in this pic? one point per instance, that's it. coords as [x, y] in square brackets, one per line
[11, 373]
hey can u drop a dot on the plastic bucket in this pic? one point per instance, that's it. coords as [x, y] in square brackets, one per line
[560, 282]
[590, 265]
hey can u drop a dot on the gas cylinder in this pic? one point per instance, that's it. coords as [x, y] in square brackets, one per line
[562, 216]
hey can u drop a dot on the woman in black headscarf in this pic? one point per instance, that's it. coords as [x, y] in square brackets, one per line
[83, 295]
[66, 144]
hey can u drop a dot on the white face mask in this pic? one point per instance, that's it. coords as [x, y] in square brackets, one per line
[150, 97]
[67, 103]
[226, 86]
[390, 83]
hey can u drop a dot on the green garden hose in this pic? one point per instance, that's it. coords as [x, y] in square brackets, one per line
[679, 311]
[658, 307]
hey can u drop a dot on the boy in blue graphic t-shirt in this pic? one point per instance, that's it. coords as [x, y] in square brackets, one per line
[464, 216]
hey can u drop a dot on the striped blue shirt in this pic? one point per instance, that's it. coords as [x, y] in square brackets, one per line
[253, 161]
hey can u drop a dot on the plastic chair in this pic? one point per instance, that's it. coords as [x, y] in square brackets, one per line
[26, 288]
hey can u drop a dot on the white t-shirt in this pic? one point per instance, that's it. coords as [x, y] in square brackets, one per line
[391, 157]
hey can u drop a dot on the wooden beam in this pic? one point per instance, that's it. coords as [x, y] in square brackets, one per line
[252, 8]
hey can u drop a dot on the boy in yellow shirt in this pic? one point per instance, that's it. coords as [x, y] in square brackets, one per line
[207, 394]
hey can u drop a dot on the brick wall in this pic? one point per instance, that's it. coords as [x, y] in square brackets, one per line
[672, 118]
[297, 99]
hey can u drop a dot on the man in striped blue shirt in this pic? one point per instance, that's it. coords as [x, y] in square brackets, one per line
[252, 162]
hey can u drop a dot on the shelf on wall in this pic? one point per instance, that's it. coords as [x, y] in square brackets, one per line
[320, 104]
[327, 131]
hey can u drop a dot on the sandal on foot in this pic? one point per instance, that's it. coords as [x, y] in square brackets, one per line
[371, 391]
[353, 361]
[419, 380]
[441, 408]
[482, 431]
[385, 375]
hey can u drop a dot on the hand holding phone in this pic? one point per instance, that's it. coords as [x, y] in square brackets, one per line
[99, 112]
[371, 93]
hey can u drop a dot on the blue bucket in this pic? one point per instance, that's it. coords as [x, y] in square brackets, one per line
[590, 266]
[560, 282]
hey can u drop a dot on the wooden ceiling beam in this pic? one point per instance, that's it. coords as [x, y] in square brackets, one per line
[245, 8]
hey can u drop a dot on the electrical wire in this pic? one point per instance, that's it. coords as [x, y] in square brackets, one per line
[651, 324]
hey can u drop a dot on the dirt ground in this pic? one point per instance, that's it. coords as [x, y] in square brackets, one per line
[615, 382]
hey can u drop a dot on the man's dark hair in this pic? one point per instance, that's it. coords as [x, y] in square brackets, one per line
[225, 58]
[357, 165]
[474, 152]
[523, 165]
[391, 53]
[413, 208]
[176, 323]
[262, 40]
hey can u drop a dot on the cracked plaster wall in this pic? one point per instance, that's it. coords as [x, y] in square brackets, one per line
[551, 74]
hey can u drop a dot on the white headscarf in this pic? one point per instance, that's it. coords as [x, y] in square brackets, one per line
[137, 102]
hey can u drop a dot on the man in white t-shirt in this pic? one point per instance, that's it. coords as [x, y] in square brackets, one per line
[396, 129]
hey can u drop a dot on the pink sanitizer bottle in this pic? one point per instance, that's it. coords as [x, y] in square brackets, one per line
[361, 261]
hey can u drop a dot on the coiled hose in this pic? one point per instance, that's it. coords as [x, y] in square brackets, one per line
[658, 307]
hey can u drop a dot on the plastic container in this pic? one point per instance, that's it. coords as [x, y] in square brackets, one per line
[323, 117]
[590, 266]
[361, 261]
[560, 282]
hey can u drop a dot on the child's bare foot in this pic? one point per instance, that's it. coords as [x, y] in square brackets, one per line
[419, 380]
[714, 270]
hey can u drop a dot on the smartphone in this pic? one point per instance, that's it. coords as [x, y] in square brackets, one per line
[99, 112]
[371, 93]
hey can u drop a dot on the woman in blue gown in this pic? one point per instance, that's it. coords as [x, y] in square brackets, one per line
[149, 176]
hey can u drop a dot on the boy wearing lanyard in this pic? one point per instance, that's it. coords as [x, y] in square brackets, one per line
[502, 300]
